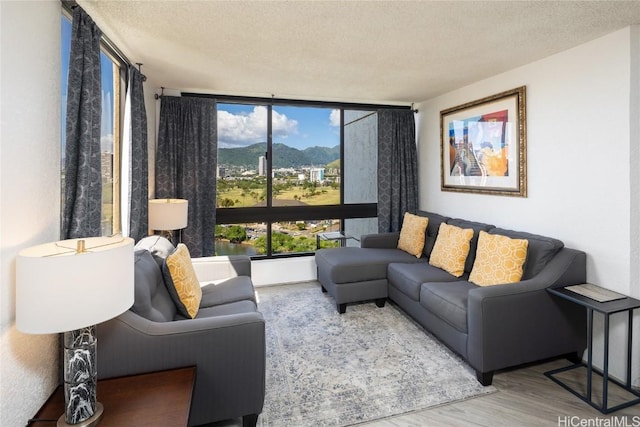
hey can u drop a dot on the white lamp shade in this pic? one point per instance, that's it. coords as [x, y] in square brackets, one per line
[59, 290]
[168, 214]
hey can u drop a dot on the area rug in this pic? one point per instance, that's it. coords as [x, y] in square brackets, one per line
[327, 369]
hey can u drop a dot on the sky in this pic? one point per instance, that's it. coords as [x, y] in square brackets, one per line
[240, 125]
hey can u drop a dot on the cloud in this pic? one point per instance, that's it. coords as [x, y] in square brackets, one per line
[334, 118]
[106, 143]
[243, 129]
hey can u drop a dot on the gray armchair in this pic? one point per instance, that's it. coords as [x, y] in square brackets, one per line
[226, 340]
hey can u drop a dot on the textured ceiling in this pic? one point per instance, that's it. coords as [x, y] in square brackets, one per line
[362, 51]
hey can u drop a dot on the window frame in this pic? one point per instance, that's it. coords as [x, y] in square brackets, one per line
[272, 214]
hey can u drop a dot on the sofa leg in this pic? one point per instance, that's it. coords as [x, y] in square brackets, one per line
[575, 358]
[484, 378]
[380, 302]
[324, 291]
[342, 308]
[250, 420]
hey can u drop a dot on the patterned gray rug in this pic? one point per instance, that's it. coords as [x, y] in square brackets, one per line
[326, 369]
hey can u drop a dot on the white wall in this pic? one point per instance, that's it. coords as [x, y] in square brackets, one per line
[29, 190]
[583, 156]
[285, 270]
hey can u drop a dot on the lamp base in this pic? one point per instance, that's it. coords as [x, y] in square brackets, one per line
[89, 422]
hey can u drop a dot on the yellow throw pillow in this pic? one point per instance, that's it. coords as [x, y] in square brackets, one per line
[412, 234]
[182, 282]
[451, 248]
[499, 260]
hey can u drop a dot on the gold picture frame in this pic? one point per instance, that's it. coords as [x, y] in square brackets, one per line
[483, 145]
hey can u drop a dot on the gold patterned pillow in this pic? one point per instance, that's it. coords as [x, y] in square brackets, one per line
[182, 282]
[412, 234]
[499, 260]
[451, 248]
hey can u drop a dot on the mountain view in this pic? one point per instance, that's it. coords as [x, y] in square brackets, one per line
[283, 156]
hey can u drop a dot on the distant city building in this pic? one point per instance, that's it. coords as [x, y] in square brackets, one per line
[106, 160]
[221, 172]
[301, 177]
[262, 166]
[316, 174]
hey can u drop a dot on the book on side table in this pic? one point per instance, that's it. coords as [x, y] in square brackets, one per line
[595, 292]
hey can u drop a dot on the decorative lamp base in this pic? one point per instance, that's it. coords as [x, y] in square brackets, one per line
[89, 422]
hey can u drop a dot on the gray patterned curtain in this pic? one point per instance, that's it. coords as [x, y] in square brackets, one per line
[397, 168]
[186, 165]
[83, 178]
[139, 166]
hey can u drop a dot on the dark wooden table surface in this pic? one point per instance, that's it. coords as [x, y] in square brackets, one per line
[156, 399]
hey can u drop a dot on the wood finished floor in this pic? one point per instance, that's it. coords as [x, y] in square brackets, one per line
[525, 397]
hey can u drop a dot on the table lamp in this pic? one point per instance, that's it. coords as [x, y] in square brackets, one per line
[167, 215]
[70, 286]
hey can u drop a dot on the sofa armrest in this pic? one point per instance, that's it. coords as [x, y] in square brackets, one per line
[228, 351]
[521, 322]
[209, 269]
[380, 240]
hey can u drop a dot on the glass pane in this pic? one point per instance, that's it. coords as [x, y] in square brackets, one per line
[301, 236]
[242, 144]
[357, 227]
[306, 156]
[239, 239]
[360, 156]
[108, 128]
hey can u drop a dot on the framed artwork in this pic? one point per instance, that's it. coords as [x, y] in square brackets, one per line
[484, 145]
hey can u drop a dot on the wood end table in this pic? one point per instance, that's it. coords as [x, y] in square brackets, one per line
[157, 399]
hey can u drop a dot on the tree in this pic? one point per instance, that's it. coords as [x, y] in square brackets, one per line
[226, 203]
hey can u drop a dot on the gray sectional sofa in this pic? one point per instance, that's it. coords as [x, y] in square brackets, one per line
[491, 327]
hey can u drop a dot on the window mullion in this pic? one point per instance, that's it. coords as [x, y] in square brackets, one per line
[269, 177]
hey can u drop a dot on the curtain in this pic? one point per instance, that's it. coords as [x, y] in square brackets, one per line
[397, 168]
[186, 165]
[83, 177]
[135, 167]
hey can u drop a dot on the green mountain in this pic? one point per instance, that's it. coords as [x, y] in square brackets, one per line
[283, 156]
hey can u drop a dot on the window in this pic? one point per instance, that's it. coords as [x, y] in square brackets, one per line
[290, 170]
[110, 129]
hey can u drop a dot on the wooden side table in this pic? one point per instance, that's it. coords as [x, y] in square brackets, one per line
[154, 400]
[628, 305]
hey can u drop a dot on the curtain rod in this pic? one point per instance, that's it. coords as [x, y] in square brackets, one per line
[294, 102]
[107, 44]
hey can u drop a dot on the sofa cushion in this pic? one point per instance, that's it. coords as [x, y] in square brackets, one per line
[231, 290]
[352, 264]
[158, 246]
[451, 249]
[231, 308]
[152, 300]
[540, 251]
[499, 260]
[182, 282]
[477, 227]
[432, 230]
[447, 301]
[411, 238]
[408, 278]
